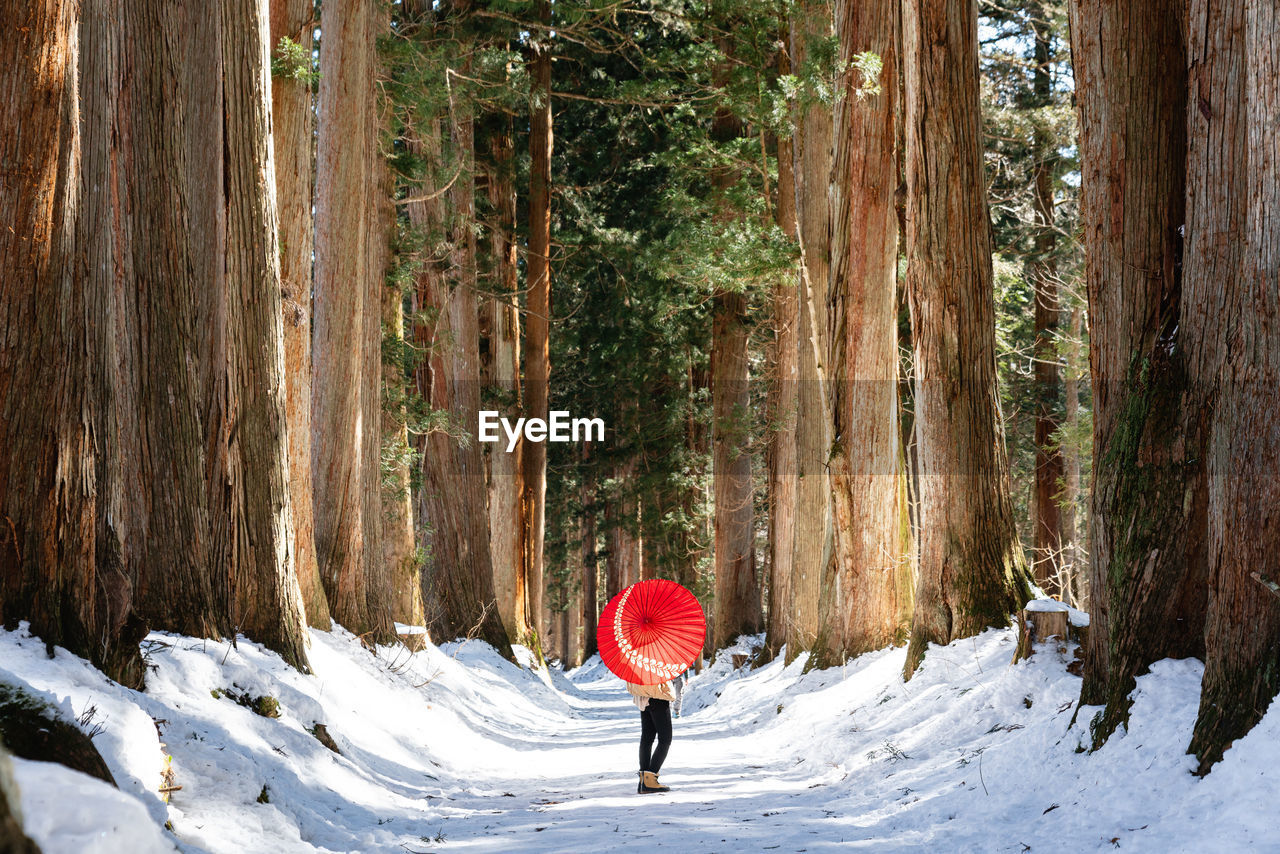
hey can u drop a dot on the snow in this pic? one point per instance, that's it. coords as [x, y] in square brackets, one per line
[455, 749]
[1046, 606]
[1077, 617]
[72, 813]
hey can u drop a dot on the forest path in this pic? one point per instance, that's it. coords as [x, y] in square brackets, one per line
[573, 780]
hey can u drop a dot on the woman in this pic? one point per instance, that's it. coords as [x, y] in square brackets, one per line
[654, 702]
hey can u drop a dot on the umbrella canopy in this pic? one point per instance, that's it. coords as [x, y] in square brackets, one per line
[651, 632]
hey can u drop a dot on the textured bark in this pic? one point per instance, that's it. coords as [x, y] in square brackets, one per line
[869, 491]
[1234, 160]
[50, 570]
[426, 214]
[453, 513]
[388, 510]
[537, 365]
[1050, 540]
[500, 376]
[782, 413]
[345, 376]
[623, 555]
[972, 572]
[292, 129]
[737, 597]
[1147, 590]
[267, 604]
[696, 572]
[168, 419]
[590, 606]
[816, 598]
[151, 108]
[736, 609]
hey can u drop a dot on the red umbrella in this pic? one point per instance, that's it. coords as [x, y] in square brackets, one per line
[651, 632]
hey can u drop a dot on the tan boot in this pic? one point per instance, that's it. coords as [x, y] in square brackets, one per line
[649, 783]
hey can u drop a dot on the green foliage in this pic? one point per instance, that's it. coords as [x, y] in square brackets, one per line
[869, 67]
[264, 706]
[292, 61]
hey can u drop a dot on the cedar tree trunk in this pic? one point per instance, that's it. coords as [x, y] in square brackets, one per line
[1148, 597]
[292, 130]
[972, 572]
[871, 524]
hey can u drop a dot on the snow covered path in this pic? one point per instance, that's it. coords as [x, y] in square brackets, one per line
[454, 749]
[575, 782]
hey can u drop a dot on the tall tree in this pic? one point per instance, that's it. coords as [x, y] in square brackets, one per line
[346, 377]
[400, 563]
[153, 387]
[783, 401]
[623, 557]
[267, 603]
[972, 573]
[171, 382]
[1234, 166]
[292, 131]
[453, 518]
[500, 374]
[537, 366]
[867, 458]
[815, 601]
[737, 591]
[1147, 594]
[590, 570]
[737, 598]
[49, 571]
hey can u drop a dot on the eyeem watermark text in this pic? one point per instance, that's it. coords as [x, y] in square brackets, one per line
[558, 428]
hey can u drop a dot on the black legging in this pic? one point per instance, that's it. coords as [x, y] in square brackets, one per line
[655, 719]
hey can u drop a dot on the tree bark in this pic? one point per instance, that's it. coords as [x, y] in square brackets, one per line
[1147, 595]
[267, 603]
[345, 376]
[622, 558]
[737, 591]
[737, 597]
[169, 362]
[162, 190]
[872, 529]
[292, 130]
[972, 572]
[51, 570]
[782, 411]
[458, 579]
[1234, 160]
[500, 376]
[590, 607]
[816, 599]
[537, 367]
[397, 587]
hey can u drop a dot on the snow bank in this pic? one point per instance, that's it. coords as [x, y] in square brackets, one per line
[455, 749]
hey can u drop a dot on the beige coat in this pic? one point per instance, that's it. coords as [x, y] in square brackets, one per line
[641, 694]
